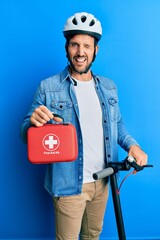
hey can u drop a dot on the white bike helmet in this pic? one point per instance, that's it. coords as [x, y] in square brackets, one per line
[83, 23]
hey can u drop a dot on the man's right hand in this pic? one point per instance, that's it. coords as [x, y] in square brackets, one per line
[42, 115]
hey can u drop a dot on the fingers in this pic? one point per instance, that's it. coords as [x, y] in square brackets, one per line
[57, 119]
[41, 116]
[140, 156]
[142, 160]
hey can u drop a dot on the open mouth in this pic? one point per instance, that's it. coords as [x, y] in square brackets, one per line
[80, 59]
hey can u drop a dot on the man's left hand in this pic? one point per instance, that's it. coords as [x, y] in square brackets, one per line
[140, 156]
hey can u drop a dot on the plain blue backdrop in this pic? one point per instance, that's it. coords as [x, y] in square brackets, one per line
[31, 49]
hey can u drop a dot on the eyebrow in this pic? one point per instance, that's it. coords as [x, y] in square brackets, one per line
[75, 42]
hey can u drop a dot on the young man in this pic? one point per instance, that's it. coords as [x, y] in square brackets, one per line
[90, 103]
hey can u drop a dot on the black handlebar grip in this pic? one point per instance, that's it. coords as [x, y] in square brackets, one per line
[103, 173]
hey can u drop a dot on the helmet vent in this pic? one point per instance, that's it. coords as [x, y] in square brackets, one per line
[83, 18]
[92, 23]
[74, 21]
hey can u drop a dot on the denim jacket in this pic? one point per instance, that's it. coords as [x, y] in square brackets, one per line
[57, 94]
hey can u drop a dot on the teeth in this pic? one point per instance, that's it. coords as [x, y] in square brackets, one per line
[80, 59]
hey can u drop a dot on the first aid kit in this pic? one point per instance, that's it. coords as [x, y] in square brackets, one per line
[52, 143]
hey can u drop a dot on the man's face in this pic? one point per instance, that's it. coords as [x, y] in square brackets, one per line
[81, 52]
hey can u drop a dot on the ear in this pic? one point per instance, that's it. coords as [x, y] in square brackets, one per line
[96, 49]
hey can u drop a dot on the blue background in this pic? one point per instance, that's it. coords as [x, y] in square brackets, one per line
[31, 49]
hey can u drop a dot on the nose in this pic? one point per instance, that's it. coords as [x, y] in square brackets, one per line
[80, 50]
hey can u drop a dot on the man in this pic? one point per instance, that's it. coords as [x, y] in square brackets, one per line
[90, 103]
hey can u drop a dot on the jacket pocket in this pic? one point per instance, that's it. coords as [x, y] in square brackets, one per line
[63, 108]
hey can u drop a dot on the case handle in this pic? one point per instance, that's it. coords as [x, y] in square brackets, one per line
[59, 116]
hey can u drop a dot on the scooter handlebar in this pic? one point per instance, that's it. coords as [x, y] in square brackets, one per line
[103, 173]
[114, 167]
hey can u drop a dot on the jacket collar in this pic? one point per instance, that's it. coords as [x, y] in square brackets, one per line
[65, 75]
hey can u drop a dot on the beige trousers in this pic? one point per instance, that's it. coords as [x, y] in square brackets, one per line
[81, 215]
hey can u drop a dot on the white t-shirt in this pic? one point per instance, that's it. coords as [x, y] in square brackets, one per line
[92, 129]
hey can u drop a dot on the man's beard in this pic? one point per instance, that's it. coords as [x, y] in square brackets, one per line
[83, 71]
[76, 70]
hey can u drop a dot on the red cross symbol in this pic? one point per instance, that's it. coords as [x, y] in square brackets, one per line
[51, 142]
